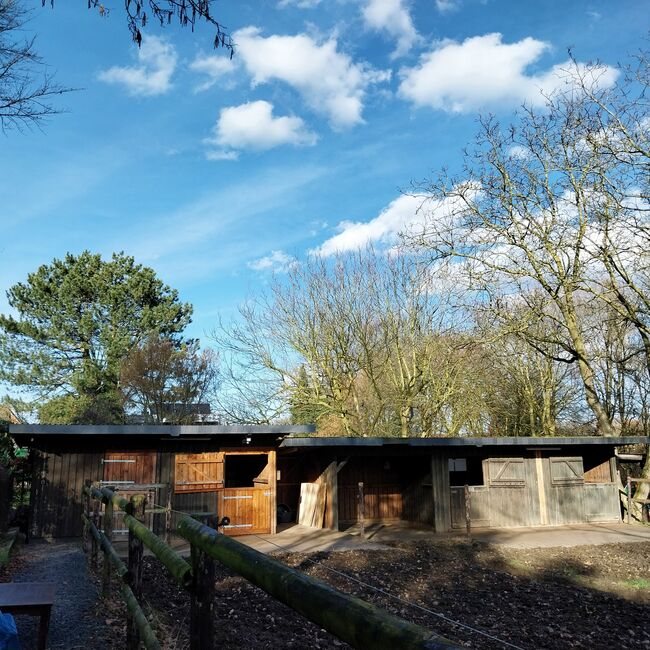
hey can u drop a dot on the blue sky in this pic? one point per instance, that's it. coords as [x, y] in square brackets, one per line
[217, 173]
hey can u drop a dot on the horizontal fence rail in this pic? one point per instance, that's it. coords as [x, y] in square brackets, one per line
[351, 619]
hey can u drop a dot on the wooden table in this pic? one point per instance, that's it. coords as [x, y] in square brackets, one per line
[33, 598]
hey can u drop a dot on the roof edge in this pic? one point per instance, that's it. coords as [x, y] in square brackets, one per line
[157, 429]
[315, 441]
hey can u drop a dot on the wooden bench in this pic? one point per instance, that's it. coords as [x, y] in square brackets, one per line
[32, 598]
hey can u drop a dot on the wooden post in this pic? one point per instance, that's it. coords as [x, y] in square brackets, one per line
[468, 512]
[108, 534]
[168, 516]
[362, 512]
[202, 601]
[629, 500]
[137, 510]
[94, 547]
[86, 511]
[352, 620]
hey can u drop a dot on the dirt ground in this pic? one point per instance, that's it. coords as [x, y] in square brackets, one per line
[591, 597]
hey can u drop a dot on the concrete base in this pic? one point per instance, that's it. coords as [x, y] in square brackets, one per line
[564, 536]
[301, 539]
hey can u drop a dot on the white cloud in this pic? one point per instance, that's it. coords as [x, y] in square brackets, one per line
[328, 80]
[221, 154]
[253, 126]
[519, 152]
[483, 71]
[214, 67]
[152, 76]
[393, 17]
[400, 215]
[447, 6]
[276, 262]
[301, 4]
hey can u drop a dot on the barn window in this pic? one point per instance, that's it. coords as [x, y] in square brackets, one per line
[596, 472]
[246, 470]
[566, 471]
[465, 471]
[506, 472]
[198, 472]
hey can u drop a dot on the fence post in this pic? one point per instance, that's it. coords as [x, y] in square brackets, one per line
[362, 512]
[108, 534]
[468, 512]
[629, 500]
[168, 515]
[202, 601]
[86, 511]
[136, 509]
[93, 542]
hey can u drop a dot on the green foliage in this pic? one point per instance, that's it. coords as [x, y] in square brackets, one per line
[77, 319]
[302, 407]
[82, 409]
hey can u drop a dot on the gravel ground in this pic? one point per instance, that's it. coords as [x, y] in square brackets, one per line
[73, 623]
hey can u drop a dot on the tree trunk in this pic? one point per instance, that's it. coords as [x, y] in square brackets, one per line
[603, 423]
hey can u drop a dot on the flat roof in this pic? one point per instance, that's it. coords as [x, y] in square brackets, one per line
[170, 430]
[314, 441]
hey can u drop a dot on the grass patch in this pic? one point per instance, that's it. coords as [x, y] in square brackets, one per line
[4, 554]
[637, 583]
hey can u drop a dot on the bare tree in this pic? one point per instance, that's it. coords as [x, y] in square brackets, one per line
[26, 88]
[522, 218]
[358, 340]
[188, 13]
[164, 382]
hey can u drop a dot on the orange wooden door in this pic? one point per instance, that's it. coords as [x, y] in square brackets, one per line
[129, 467]
[198, 472]
[128, 472]
[249, 510]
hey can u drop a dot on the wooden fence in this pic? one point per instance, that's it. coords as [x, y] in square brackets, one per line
[352, 620]
[641, 503]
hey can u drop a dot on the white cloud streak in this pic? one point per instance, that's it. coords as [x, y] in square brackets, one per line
[397, 217]
[275, 262]
[215, 68]
[152, 75]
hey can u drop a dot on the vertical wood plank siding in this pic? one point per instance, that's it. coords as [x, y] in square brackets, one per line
[394, 489]
[56, 492]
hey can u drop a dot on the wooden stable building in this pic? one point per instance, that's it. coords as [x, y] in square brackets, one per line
[251, 473]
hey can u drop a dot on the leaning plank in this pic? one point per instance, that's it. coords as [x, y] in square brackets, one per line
[351, 619]
[312, 505]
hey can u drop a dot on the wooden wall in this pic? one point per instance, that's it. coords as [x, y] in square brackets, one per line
[395, 488]
[55, 497]
[56, 491]
[541, 489]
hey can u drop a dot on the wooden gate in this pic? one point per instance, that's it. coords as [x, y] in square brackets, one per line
[130, 473]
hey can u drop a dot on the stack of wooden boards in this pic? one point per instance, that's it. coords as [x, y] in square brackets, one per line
[311, 511]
